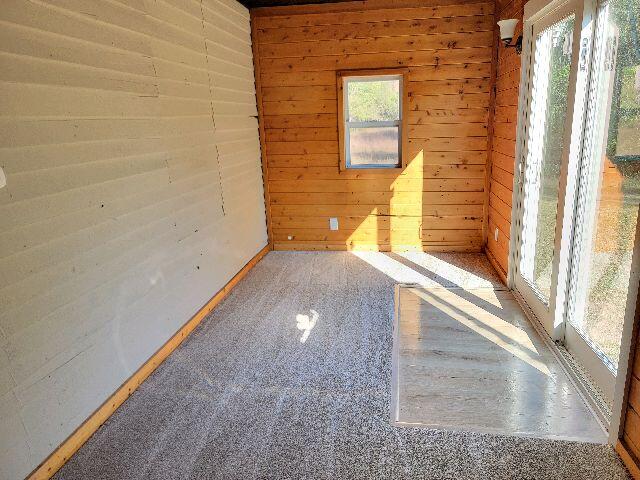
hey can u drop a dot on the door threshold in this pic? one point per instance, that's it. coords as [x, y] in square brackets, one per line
[593, 399]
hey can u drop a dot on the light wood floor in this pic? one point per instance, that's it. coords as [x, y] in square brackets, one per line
[468, 359]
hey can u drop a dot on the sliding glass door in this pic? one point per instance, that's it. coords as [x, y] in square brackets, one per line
[578, 181]
[608, 195]
[550, 93]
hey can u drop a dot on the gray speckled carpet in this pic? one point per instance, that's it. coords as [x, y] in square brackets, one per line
[246, 398]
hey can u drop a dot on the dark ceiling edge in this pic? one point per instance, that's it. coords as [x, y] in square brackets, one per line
[293, 7]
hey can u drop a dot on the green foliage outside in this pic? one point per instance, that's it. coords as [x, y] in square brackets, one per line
[625, 112]
[604, 316]
[556, 112]
[606, 301]
[378, 100]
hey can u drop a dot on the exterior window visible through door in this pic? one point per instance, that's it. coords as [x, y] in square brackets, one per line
[371, 106]
[577, 197]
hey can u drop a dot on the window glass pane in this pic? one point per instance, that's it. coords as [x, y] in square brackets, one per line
[549, 98]
[376, 100]
[609, 198]
[374, 146]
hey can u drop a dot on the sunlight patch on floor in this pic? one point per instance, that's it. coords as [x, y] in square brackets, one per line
[306, 323]
[461, 362]
[430, 269]
[504, 334]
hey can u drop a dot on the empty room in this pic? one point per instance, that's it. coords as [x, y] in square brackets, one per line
[316, 239]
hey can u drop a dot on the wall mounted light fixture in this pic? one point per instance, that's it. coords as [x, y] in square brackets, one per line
[507, 31]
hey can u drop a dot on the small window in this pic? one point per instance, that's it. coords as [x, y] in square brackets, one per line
[371, 108]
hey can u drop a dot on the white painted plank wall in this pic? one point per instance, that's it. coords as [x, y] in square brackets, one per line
[134, 192]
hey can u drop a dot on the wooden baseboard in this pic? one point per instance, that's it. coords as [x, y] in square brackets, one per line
[628, 459]
[313, 246]
[71, 445]
[496, 266]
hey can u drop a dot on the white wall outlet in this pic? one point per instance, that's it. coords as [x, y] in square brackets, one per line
[3, 178]
[333, 223]
[495, 235]
[289, 237]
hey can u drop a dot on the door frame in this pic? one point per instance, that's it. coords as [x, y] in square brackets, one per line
[533, 11]
[594, 363]
[550, 316]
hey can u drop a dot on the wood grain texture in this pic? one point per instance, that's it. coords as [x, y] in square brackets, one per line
[504, 117]
[628, 445]
[351, 6]
[435, 201]
[629, 459]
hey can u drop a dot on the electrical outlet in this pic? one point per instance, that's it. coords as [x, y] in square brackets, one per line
[3, 178]
[333, 223]
[289, 237]
[495, 235]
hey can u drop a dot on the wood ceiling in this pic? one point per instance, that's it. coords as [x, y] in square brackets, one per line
[275, 3]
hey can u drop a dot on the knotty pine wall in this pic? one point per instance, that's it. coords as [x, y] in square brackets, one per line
[628, 445]
[437, 201]
[504, 112]
[630, 438]
[134, 193]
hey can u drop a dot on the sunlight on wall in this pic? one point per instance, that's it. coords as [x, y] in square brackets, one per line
[398, 224]
[366, 234]
[406, 206]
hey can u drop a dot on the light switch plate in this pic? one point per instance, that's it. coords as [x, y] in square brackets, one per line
[495, 235]
[3, 178]
[333, 223]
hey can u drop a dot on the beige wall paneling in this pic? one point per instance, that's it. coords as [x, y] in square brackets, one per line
[134, 193]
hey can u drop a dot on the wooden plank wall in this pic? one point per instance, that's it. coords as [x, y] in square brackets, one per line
[628, 445]
[504, 117]
[134, 193]
[437, 201]
[631, 431]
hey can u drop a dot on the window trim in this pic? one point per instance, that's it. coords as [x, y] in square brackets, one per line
[343, 130]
